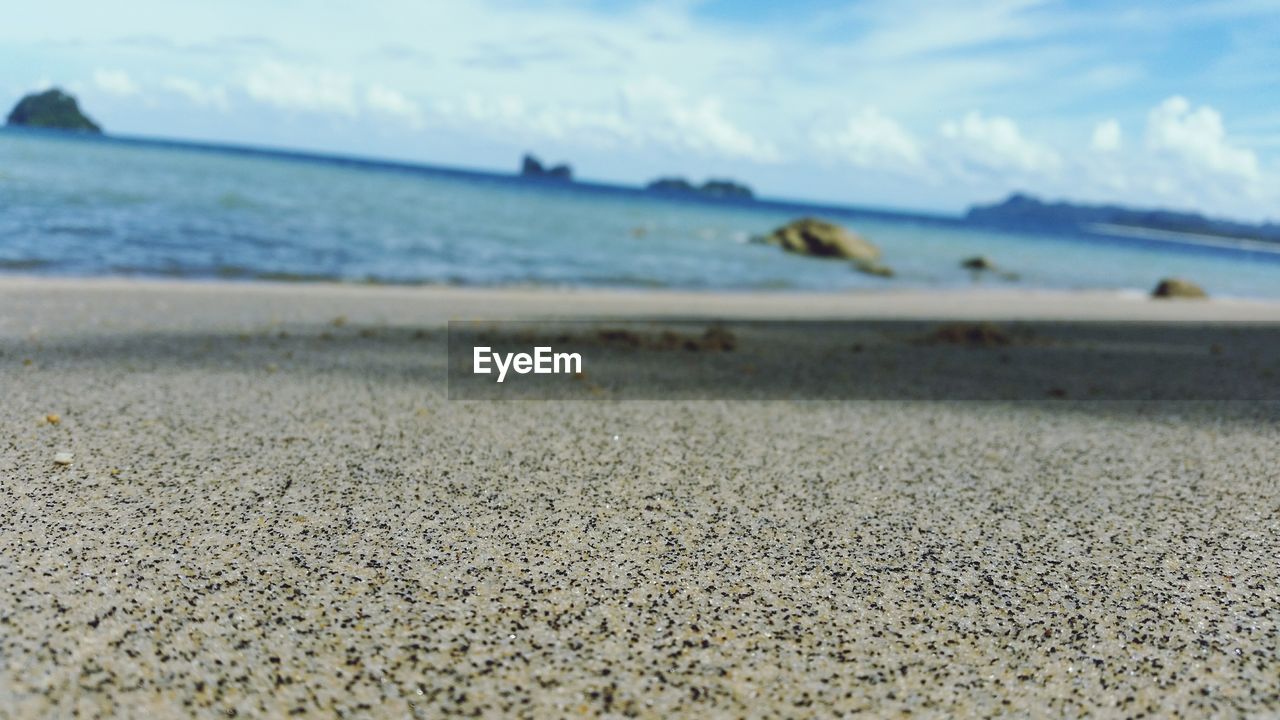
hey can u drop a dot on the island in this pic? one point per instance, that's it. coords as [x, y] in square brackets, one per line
[1021, 210]
[532, 167]
[714, 188]
[52, 109]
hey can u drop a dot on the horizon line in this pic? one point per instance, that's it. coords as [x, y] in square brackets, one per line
[422, 167]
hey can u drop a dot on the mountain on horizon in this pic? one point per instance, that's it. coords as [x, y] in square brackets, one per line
[1022, 209]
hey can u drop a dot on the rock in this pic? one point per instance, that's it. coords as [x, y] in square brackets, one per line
[1178, 288]
[717, 339]
[532, 167]
[809, 236]
[63, 458]
[983, 264]
[52, 109]
[970, 334]
[713, 339]
[713, 188]
[673, 185]
[726, 189]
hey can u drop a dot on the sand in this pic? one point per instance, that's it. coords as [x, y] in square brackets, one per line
[271, 507]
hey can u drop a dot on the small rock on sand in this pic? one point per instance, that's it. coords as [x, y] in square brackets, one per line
[63, 458]
[970, 334]
[1178, 288]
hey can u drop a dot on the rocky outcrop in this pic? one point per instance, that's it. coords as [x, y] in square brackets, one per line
[532, 167]
[52, 109]
[674, 185]
[809, 236]
[714, 188]
[1179, 288]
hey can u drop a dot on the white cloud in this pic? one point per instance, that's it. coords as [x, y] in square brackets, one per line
[996, 143]
[1106, 136]
[870, 139]
[665, 113]
[115, 82]
[704, 128]
[196, 93]
[391, 102]
[899, 28]
[1198, 137]
[306, 89]
[511, 117]
[651, 114]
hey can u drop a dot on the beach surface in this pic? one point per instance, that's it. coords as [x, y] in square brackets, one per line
[256, 499]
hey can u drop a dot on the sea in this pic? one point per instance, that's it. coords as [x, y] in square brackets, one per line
[74, 205]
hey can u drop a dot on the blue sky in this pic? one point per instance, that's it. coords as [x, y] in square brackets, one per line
[900, 103]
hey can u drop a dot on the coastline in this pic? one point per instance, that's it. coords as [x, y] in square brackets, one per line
[271, 476]
[441, 303]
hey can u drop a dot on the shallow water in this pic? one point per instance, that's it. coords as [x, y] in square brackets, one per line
[78, 207]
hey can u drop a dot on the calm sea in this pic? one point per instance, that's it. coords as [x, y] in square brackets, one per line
[102, 207]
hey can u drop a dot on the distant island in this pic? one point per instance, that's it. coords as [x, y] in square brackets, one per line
[52, 109]
[532, 167]
[712, 188]
[1021, 210]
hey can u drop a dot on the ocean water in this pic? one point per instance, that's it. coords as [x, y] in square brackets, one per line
[92, 207]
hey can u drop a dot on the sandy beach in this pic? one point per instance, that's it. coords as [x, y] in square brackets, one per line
[270, 506]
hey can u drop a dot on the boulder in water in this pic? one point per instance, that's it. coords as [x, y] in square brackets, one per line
[978, 263]
[809, 236]
[1179, 288]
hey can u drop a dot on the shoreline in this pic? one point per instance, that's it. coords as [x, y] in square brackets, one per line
[440, 303]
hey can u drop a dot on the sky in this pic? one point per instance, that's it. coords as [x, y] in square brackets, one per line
[912, 104]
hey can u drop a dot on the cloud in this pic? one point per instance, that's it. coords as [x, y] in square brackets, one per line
[196, 93]
[1185, 161]
[870, 139]
[1198, 137]
[390, 102]
[114, 82]
[1106, 136]
[667, 114]
[903, 28]
[995, 143]
[650, 115]
[702, 127]
[511, 117]
[305, 89]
